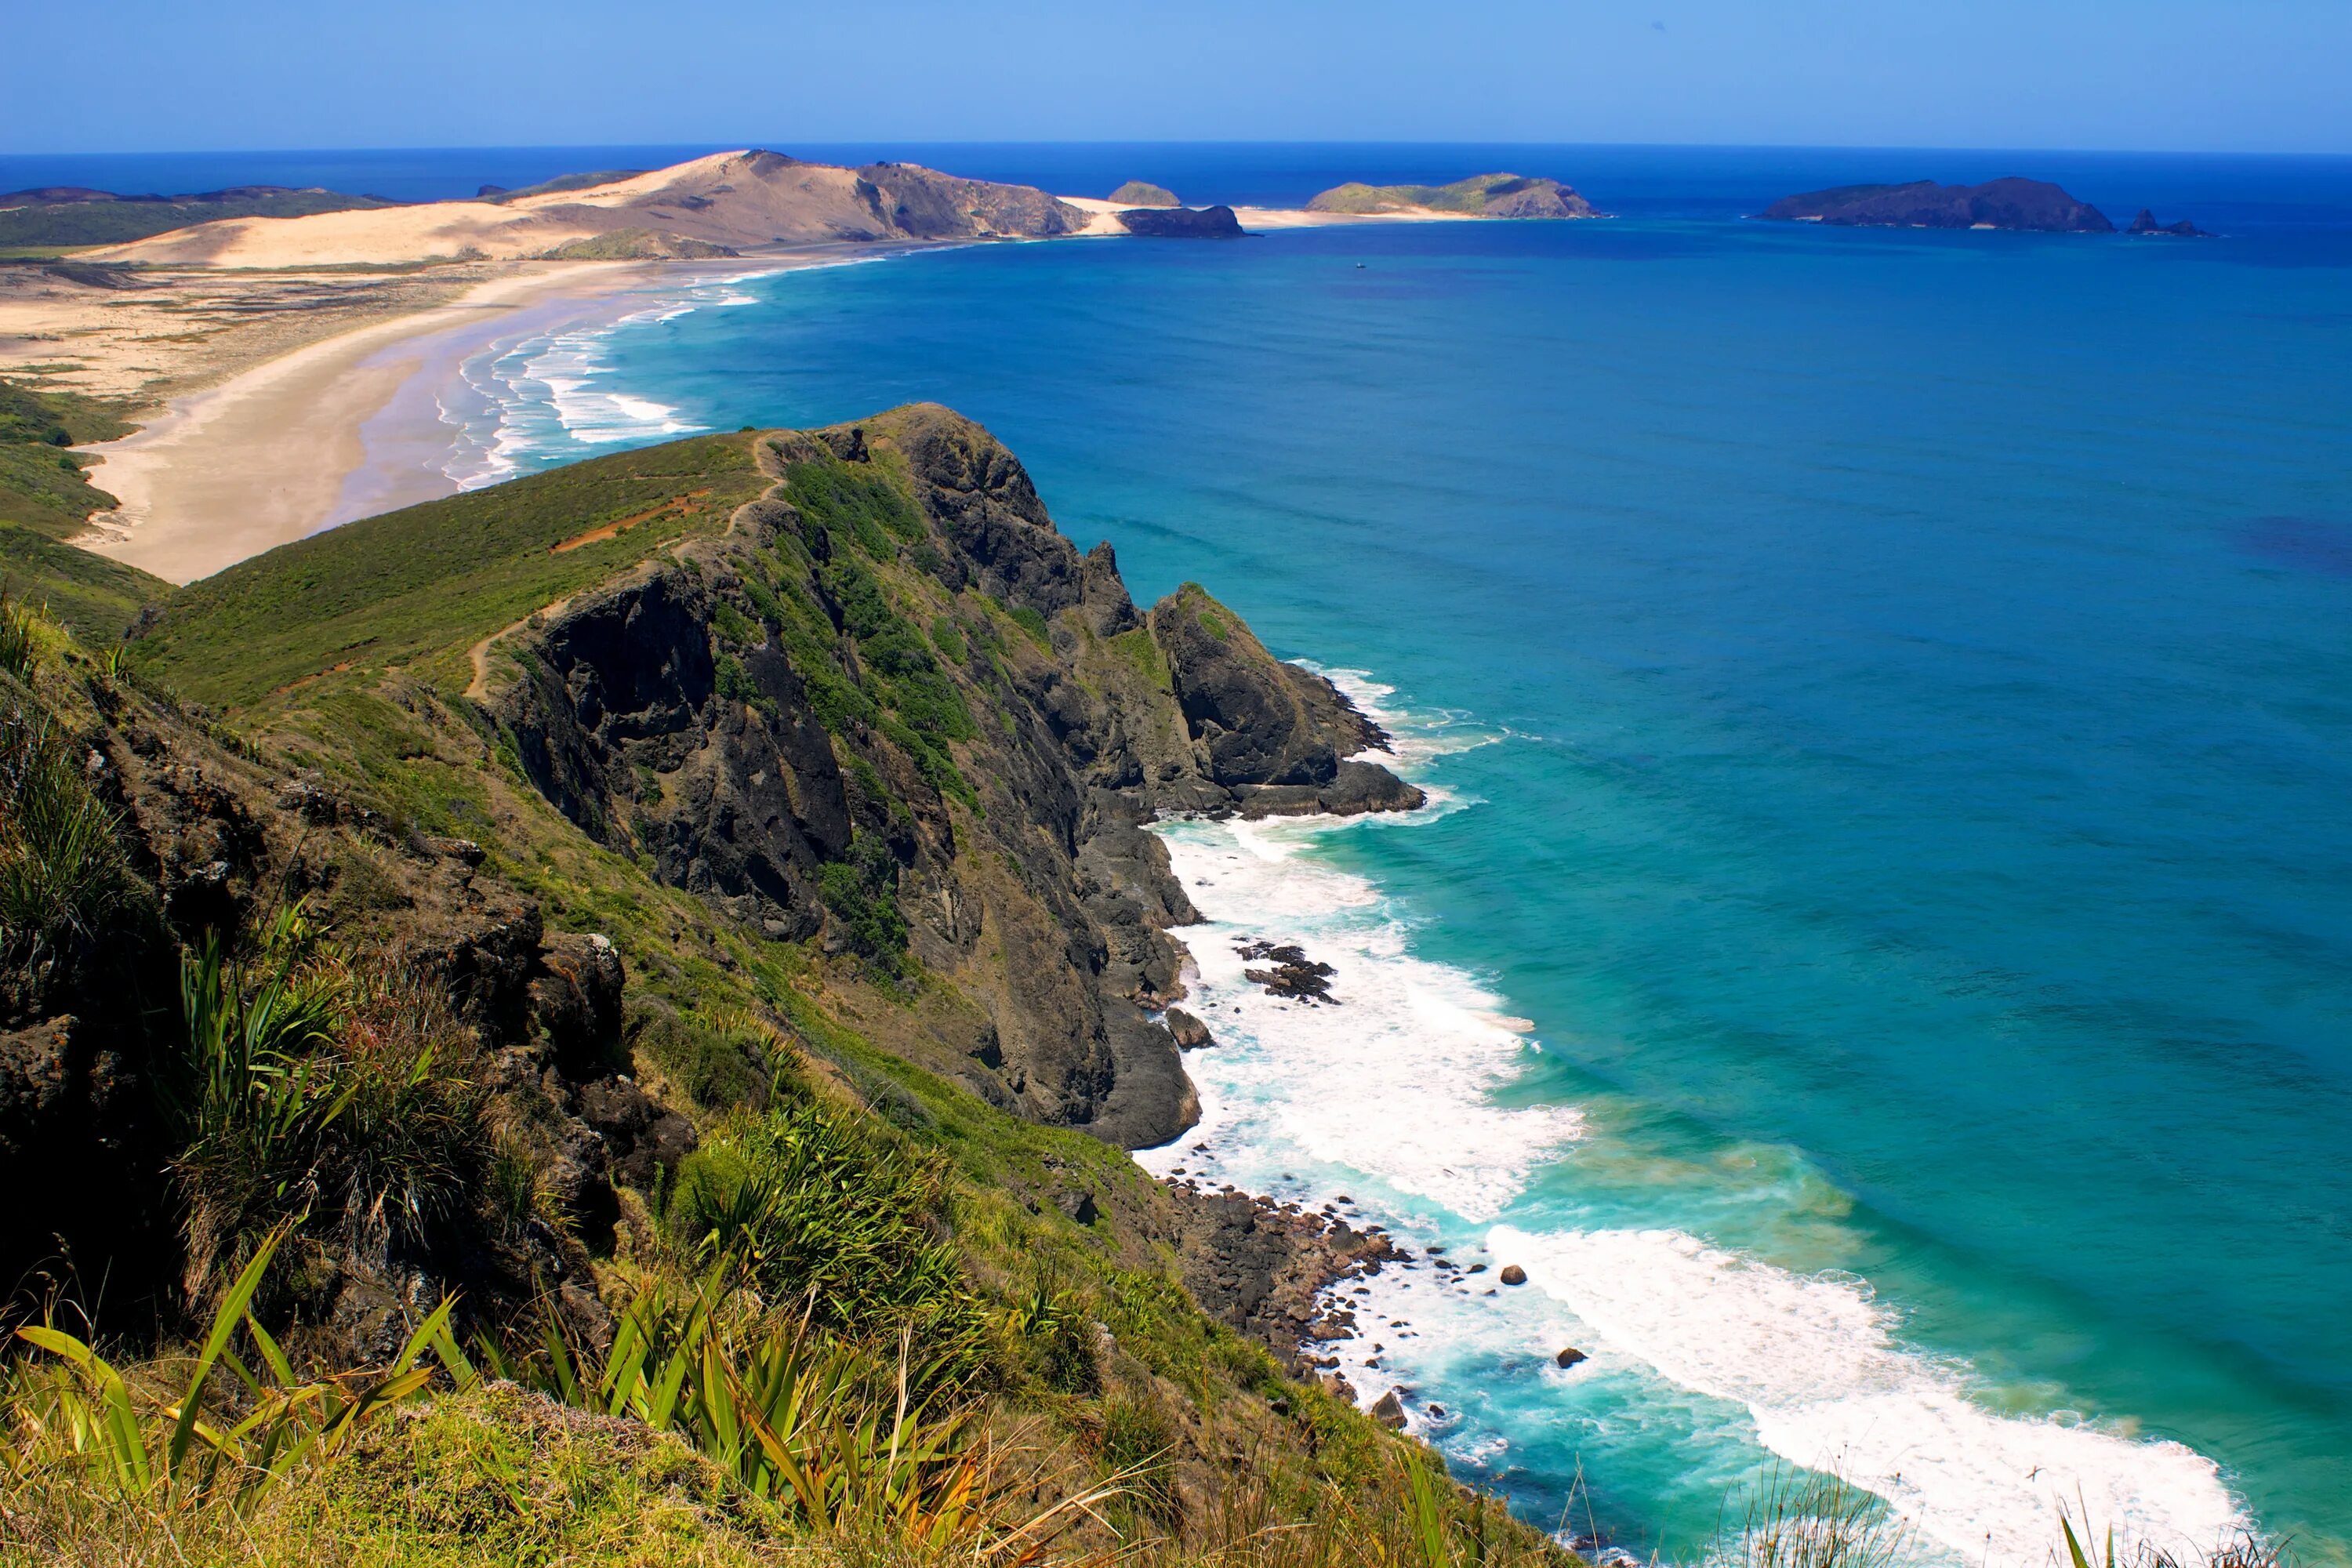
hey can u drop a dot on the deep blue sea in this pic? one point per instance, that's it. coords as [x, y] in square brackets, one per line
[1880, 958]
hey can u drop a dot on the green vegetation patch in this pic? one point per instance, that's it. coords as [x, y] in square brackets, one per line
[1470, 195]
[117, 221]
[837, 1216]
[47, 497]
[95, 598]
[506, 1477]
[436, 578]
[862, 892]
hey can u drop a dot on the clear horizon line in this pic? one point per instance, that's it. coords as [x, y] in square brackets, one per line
[721, 144]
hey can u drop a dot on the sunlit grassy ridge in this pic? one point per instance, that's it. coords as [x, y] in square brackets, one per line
[432, 579]
[45, 498]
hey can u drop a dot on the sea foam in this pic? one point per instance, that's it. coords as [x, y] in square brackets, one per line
[1389, 1097]
[1817, 1365]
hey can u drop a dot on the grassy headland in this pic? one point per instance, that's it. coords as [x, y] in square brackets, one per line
[45, 499]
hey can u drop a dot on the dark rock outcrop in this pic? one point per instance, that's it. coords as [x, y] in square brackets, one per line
[2010, 204]
[1182, 223]
[1190, 1033]
[1260, 1267]
[1290, 975]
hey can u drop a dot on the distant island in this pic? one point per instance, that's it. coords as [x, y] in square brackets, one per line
[2146, 224]
[1143, 193]
[1480, 196]
[2033, 205]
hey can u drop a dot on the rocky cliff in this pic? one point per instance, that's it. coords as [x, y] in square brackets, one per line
[880, 734]
[2015, 204]
[893, 682]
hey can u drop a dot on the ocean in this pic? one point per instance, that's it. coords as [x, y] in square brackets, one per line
[1880, 954]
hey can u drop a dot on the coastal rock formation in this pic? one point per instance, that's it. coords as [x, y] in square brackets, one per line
[1190, 1033]
[1292, 976]
[738, 201]
[1259, 1266]
[776, 727]
[2146, 224]
[2010, 204]
[1480, 196]
[1274, 735]
[1142, 193]
[1182, 223]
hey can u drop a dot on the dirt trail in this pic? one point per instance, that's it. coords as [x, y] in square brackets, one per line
[479, 654]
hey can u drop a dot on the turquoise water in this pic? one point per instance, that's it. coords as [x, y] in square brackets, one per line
[1883, 959]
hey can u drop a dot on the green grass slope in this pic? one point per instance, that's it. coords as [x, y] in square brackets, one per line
[435, 578]
[45, 498]
[27, 223]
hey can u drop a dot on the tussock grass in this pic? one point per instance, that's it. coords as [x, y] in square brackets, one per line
[836, 1220]
[327, 1096]
[64, 878]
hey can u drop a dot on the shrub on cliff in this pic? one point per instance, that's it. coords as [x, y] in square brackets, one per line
[65, 883]
[318, 1095]
[836, 1220]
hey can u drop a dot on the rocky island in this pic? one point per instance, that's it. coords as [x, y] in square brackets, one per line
[1480, 196]
[2033, 205]
[2146, 224]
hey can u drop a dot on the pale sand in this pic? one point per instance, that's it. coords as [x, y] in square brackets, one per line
[262, 459]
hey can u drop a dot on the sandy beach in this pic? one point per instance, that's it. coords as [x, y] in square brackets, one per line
[336, 428]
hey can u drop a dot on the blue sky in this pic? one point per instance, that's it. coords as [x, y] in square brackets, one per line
[2197, 75]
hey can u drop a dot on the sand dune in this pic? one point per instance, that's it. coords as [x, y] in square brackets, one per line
[740, 201]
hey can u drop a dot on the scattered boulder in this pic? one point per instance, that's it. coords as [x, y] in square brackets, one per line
[1359, 788]
[1568, 1357]
[1389, 1411]
[1513, 1274]
[1192, 1035]
[1078, 1206]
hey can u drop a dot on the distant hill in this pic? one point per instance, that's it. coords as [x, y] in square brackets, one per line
[2015, 204]
[738, 201]
[1143, 193]
[65, 217]
[1481, 195]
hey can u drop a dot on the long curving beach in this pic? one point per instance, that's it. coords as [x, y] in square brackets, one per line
[338, 427]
